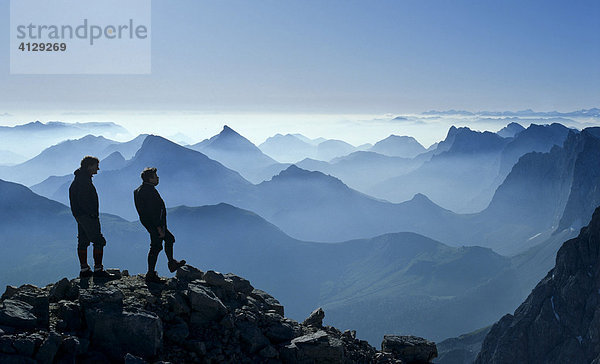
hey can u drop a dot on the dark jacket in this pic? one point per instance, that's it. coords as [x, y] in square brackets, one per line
[150, 206]
[83, 196]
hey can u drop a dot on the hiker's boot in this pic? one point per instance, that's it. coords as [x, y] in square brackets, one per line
[152, 277]
[175, 264]
[85, 272]
[99, 272]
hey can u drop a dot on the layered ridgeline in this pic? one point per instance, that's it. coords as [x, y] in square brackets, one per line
[197, 316]
[560, 320]
[64, 157]
[42, 135]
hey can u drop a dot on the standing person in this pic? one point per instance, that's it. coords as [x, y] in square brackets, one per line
[153, 215]
[84, 206]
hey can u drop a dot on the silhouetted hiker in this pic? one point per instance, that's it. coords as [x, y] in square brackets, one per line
[84, 206]
[153, 215]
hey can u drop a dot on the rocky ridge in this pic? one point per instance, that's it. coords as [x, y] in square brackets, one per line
[560, 320]
[203, 317]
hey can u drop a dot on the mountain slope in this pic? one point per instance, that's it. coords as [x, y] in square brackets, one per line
[559, 321]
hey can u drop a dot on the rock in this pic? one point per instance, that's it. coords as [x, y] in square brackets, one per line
[59, 290]
[187, 273]
[25, 346]
[115, 271]
[410, 349]
[240, 284]
[70, 314]
[269, 352]
[251, 337]
[49, 348]
[38, 298]
[177, 332]
[8, 293]
[205, 304]
[280, 332]
[104, 297]
[177, 304]
[196, 346]
[315, 319]
[17, 314]
[319, 347]
[125, 273]
[138, 333]
[15, 359]
[71, 345]
[6, 345]
[132, 359]
[269, 301]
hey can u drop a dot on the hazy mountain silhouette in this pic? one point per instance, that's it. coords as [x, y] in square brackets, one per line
[42, 135]
[186, 177]
[398, 146]
[127, 149]
[8, 158]
[313, 206]
[56, 160]
[460, 170]
[511, 130]
[238, 153]
[332, 148]
[288, 148]
[362, 170]
[64, 157]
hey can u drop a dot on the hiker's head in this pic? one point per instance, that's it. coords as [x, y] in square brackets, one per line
[90, 164]
[149, 175]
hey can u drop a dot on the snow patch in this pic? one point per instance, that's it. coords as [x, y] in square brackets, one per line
[580, 339]
[553, 309]
[535, 236]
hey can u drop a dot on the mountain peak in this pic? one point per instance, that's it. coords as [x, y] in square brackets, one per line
[227, 131]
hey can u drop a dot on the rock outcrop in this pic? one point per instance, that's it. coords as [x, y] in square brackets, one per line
[195, 317]
[560, 320]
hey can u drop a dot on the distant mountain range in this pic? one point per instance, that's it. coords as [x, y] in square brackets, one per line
[593, 112]
[64, 158]
[42, 135]
[294, 148]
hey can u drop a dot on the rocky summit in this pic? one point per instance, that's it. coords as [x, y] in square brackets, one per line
[195, 317]
[560, 320]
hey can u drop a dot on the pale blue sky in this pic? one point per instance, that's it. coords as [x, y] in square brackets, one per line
[342, 57]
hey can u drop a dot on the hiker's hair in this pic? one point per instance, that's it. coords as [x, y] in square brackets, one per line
[147, 173]
[88, 161]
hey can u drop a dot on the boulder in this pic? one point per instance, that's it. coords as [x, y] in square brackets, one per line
[316, 347]
[187, 273]
[240, 284]
[268, 301]
[251, 337]
[49, 348]
[205, 304]
[60, 290]
[38, 299]
[17, 314]
[69, 315]
[315, 319]
[8, 293]
[410, 349]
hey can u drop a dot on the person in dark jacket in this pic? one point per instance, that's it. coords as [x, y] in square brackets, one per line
[84, 206]
[153, 215]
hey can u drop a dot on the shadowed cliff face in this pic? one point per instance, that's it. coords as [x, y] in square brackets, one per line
[560, 320]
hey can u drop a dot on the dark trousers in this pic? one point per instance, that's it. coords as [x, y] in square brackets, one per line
[88, 231]
[156, 241]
